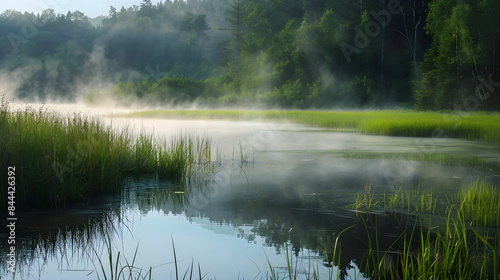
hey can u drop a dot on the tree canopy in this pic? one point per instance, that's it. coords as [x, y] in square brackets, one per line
[431, 55]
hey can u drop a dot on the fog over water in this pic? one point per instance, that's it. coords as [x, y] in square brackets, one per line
[274, 196]
[291, 194]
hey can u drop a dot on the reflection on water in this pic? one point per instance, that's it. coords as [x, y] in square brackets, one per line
[279, 187]
[230, 226]
[150, 216]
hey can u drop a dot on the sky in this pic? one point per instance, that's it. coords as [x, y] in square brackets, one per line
[91, 8]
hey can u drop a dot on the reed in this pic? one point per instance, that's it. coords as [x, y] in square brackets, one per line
[456, 249]
[414, 200]
[295, 270]
[480, 204]
[121, 269]
[366, 201]
[455, 252]
[61, 159]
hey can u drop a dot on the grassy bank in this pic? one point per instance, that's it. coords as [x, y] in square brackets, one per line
[464, 246]
[58, 159]
[465, 125]
[453, 250]
[478, 204]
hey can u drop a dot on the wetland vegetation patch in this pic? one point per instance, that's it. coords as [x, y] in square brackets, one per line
[61, 159]
[407, 123]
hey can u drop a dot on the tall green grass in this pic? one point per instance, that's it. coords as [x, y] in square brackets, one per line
[480, 204]
[414, 200]
[366, 201]
[61, 159]
[461, 248]
[465, 125]
[455, 252]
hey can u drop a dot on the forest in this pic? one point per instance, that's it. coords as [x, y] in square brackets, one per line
[325, 54]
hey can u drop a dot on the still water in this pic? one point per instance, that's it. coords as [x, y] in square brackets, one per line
[278, 189]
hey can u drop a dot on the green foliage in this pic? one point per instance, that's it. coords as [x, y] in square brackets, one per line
[289, 54]
[480, 204]
[455, 252]
[452, 249]
[167, 90]
[359, 91]
[366, 201]
[259, 26]
[195, 24]
[279, 53]
[477, 204]
[462, 56]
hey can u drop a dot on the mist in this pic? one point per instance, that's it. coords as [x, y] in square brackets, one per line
[244, 54]
[213, 54]
[325, 171]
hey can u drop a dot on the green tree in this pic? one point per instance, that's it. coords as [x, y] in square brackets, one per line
[113, 17]
[187, 23]
[146, 9]
[463, 54]
[233, 44]
[200, 27]
[196, 24]
[258, 35]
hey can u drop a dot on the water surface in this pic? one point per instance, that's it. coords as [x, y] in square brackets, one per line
[277, 188]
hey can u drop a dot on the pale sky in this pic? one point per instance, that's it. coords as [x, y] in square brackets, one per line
[91, 8]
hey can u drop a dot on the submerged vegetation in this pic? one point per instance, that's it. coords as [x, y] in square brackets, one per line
[473, 126]
[61, 159]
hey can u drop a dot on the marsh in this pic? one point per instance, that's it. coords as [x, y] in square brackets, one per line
[275, 189]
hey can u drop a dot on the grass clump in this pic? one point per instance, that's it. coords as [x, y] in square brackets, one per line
[480, 204]
[456, 249]
[414, 200]
[61, 159]
[366, 201]
[454, 252]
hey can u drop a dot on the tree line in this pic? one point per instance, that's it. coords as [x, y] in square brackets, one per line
[428, 55]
